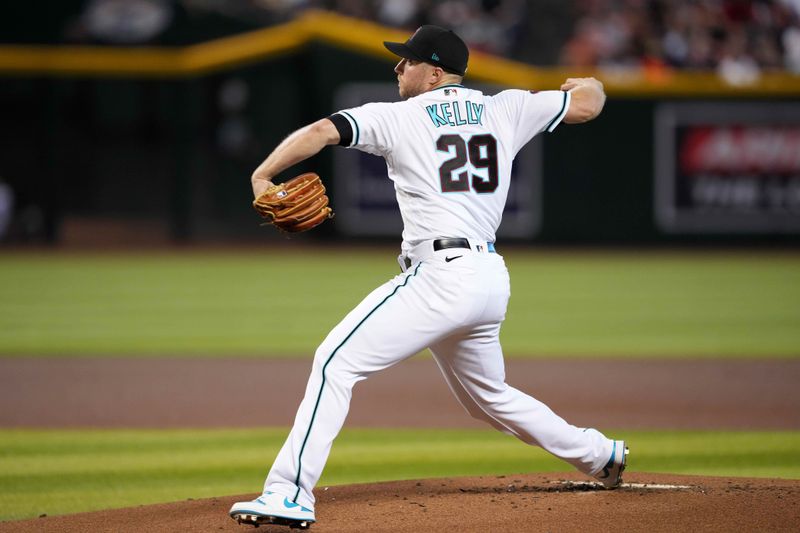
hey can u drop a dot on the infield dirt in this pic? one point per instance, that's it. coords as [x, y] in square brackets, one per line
[711, 394]
[485, 504]
[190, 392]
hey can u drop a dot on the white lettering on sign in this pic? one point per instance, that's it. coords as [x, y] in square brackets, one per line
[711, 191]
[746, 193]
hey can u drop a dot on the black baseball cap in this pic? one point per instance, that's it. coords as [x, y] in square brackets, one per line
[435, 45]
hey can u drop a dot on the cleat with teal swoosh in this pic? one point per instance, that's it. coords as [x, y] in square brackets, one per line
[272, 508]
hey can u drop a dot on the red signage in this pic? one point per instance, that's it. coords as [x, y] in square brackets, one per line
[741, 150]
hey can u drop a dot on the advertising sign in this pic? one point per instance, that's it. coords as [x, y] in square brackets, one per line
[728, 167]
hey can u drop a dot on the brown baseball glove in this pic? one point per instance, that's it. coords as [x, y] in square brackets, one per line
[296, 205]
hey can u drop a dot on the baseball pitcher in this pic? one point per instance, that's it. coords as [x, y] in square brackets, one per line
[448, 150]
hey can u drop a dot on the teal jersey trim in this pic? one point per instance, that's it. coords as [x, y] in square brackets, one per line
[355, 142]
[325, 366]
[563, 105]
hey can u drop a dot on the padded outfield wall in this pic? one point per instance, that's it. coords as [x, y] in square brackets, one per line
[158, 144]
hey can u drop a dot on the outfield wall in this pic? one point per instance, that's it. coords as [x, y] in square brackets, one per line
[153, 143]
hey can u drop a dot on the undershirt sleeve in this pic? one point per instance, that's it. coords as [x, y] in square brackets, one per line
[344, 128]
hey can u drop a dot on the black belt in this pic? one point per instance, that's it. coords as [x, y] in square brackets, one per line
[454, 242]
[443, 244]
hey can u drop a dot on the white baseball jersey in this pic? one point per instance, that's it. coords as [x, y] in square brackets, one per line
[449, 153]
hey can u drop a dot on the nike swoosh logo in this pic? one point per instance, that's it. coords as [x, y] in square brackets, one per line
[448, 259]
[290, 505]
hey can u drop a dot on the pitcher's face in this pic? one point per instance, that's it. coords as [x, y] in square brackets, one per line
[413, 77]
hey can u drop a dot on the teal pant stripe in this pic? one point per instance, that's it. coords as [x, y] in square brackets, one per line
[325, 366]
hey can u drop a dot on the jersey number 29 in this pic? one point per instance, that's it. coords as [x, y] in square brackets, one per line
[481, 151]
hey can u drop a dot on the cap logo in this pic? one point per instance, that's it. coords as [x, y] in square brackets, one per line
[435, 57]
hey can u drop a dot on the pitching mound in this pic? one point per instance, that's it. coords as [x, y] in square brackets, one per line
[551, 502]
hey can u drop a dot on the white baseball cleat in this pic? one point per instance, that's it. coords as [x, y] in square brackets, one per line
[611, 474]
[272, 508]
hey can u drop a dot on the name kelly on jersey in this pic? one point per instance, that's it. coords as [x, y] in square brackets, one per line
[455, 113]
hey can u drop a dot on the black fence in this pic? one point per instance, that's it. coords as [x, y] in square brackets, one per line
[170, 159]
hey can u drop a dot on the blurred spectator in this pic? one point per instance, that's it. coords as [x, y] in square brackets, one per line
[398, 13]
[737, 38]
[736, 65]
[791, 43]
[174, 22]
[487, 25]
[121, 21]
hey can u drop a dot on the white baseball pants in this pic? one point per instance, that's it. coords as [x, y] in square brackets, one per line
[455, 308]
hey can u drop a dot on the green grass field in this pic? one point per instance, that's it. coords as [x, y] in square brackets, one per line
[223, 304]
[283, 301]
[60, 472]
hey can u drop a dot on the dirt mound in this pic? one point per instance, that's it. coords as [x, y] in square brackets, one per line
[534, 502]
